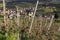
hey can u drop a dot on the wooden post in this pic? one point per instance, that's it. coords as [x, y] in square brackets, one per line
[18, 17]
[4, 9]
[5, 17]
[51, 22]
[33, 17]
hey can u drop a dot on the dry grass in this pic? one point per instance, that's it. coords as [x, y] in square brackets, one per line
[38, 30]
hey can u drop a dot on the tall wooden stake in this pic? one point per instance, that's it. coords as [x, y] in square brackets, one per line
[49, 26]
[4, 9]
[18, 17]
[51, 22]
[33, 17]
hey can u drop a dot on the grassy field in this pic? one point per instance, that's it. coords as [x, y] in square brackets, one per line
[38, 31]
[11, 31]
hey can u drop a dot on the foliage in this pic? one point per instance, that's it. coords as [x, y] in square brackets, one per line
[2, 37]
[11, 36]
